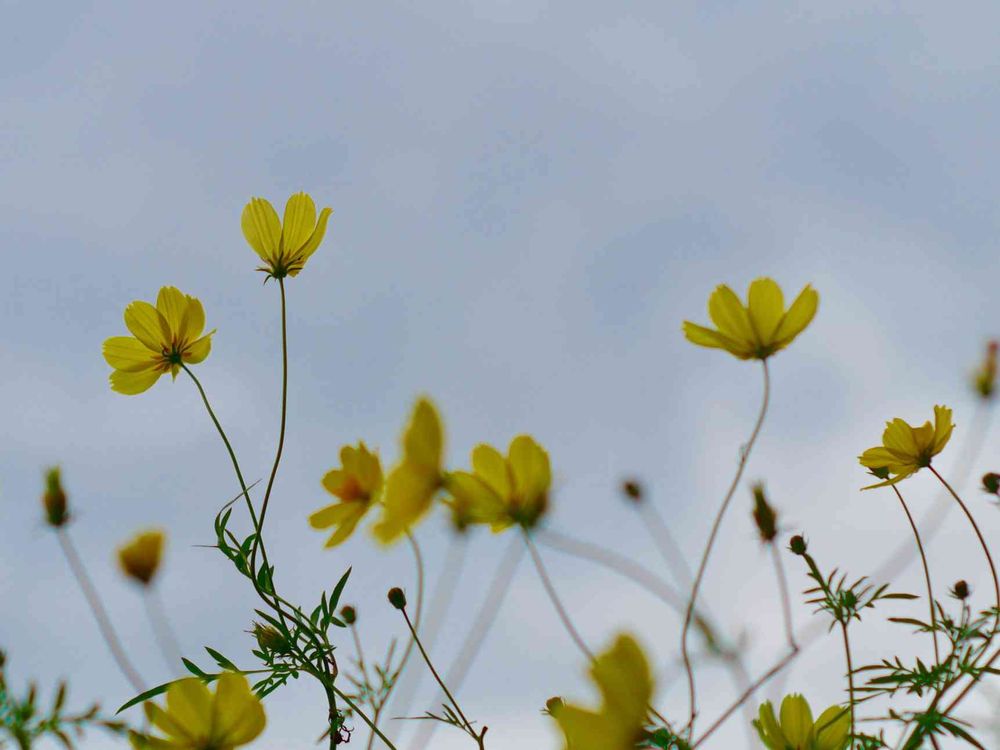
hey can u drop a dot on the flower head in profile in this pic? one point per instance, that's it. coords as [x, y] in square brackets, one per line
[197, 719]
[357, 484]
[757, 329]
[796, 730]
[412, 484]
[284, 245]
[984, 379]
[504, 490]
[906, 449]
[623, 677]
[54, 499]
[140, 556]
[164, 338]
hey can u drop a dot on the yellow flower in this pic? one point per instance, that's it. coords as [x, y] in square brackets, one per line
[357, 483]
[623, 678]
[411, 486]
[163, 338]
[197, 719]
[758, 329]
[140, 557]
[284, 246]
[503, 491]
[905, 449]
[796, 729]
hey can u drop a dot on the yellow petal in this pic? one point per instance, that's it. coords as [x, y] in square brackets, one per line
[132, 383]
[148, 325]
[586, 730]
[197, 351]
[423, 441]
[317, 235]
[769, 729]
[193, 319]
[798, 316]
[796, 720]
[767, 306]
[262, 228]
[877, 458]
[529, 464]
[731, 317]
[903, 474]
[128, 354]
[491, 467]
[833, 727]
[172, 303]
[408, 495]
[702, 336]
[166, 723]
[238, 716]
[478, 501]
[331, 515]
[300, 219]
[943, 427]
[623, 676]
[189, 703]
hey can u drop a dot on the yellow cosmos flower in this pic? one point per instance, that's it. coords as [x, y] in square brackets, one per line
[411, 486]
[197, 719]
[284, 246]
[357, 483]
[905, 449]
[757, 329]
[140, 557]
[796, 729]
[503, 491]
[163, 337]
[624, 680]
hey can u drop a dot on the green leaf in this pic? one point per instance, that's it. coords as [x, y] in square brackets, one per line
[338, 590]
[221, 660]
[193, 668]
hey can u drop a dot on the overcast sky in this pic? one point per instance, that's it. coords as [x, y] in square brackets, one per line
[529, 198]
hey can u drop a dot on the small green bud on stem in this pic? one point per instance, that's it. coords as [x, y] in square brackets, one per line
[764, 515]
[960, 590]
[348, 614]
[54, 499]
[397, 598]
[797, 544]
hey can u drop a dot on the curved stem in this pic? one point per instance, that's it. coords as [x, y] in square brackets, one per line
[550, 589]
[696, 586]
[353, 706]
[166, 639]
[100, 613]
[786, 603]
[927, 573]
[665, 543]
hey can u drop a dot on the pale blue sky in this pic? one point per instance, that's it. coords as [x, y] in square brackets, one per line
[529, 198]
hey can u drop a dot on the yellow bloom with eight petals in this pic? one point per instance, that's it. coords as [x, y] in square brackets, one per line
[286, 245]
[411, 486]
[757, 329]
[197, 719]
[163, 338]
[625, 682]
[906, 449]
[140, 557]
[796, 729]
[358, 484]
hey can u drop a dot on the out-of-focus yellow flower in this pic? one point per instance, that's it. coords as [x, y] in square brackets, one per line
[503, 491]
[140, 556]
[758, 329]
[358, 483]
[623, 678]
[985, 377]
[54, 499]
[905, 449]
[163, 337]
[411, 486]
[284, 246]
[796, 729]
[197, 719]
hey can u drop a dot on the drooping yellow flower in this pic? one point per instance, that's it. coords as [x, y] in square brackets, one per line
[358, 483]
[140, 556]
[197, 719]
[284, 246]
[626, 685]
[411, 486]
[757, 329]
[905, 449]
[163, 338]
[504, 490]
[796, 729]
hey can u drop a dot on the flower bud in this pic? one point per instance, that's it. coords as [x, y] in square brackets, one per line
[269, 638]
[632, 490]
[960, 590]
[348, 614]
[985, 377]
[554, 705]
[397, 598]
[882, 472]
[797, 544]
[991, 483]
[764, 515]
[140, 557]
[54, 499]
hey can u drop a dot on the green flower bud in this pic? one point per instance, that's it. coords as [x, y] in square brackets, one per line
[991, 483]
[54, 499]
[269, 638]
[397, 598]
[764, 515]
[349, 615]
[797, 544]
[632, 490]
[554, 705]
[960, 590]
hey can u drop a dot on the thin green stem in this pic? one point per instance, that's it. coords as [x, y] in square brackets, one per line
[550, 589]
[353, 706]
[696, 586]
[850, 673]
[786, 602]
[927, 573]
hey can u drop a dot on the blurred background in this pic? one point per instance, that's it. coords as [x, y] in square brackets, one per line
[529, 197]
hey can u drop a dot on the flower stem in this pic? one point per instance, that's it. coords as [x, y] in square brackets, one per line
[786, 604]
[353, 706]
[927, 573]
[100, 613]
[166, 639]
[850, 673]
[696, 586]
[567, 621]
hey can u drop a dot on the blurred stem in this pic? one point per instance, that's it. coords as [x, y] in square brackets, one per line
[696, 586]
[786, 604]
[927, 573]
[97, 608]
[362, 666]
[850, 673]
[665, 543]
[550, 589]
[166, 639]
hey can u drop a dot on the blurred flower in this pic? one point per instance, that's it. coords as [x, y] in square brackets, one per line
[905, 449]
[960, 590]
[163, 337]
[991, 483]
[140, 557]
[357, 483]
[796, 729]
[54, 499]
[411, 486]
[197, 719]
[623, 678]
[284, 246]
[632, 489]
[758, 329]
[985, 377]
[503, 491]
[764, 515]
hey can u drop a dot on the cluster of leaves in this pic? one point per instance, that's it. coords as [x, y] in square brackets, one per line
[845, 601]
